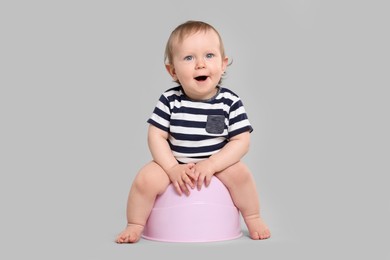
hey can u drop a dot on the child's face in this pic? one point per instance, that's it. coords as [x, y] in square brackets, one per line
[198, 64]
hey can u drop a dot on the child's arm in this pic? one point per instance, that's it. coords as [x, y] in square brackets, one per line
[162, 155]
[230, 154]
[159, 148]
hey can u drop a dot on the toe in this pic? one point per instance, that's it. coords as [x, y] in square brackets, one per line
[132, 238]
[255, 235]
[266, 234]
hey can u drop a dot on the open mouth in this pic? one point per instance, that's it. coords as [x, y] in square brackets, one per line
[201, 78]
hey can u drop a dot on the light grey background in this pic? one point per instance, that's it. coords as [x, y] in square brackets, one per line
[80, 78]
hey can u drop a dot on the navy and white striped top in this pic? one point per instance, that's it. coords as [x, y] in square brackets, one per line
[198, 129]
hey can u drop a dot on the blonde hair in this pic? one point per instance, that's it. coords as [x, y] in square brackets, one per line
[185, 29]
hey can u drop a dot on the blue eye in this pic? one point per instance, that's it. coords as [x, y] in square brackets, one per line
[188, 58]
[209, 55]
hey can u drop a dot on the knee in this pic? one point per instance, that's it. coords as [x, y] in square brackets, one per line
[151, 179]
[142, 181]
[242, 174]
[236, 175]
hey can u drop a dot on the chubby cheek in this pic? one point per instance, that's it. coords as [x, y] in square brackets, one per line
[216, 69]
[184, 74]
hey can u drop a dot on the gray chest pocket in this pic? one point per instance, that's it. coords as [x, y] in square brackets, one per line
[215, 124]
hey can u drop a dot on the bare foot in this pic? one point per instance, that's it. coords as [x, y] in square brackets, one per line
[256, 227]
[131, 234]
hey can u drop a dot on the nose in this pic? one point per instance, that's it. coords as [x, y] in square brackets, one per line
[200, 64]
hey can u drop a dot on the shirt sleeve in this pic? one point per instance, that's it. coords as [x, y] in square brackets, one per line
[238, 120]
[161, 114]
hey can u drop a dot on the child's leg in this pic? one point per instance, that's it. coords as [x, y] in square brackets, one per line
[239, 181]
[150, 182]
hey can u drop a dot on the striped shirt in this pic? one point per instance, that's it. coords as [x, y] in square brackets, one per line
[198, 129]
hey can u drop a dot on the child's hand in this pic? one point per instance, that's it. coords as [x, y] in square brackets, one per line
[182, 175]
[204, 171]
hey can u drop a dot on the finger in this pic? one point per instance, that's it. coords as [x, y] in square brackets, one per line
[196, 173]
[190, 165]
[200, 181]
[208, 180]
[191, 173]
[177, 187]
[184, 188]
[191, 168]
[189, 182]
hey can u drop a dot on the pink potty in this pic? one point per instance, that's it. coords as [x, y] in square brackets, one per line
[203, 216]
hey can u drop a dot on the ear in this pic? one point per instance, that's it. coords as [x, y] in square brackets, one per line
[225, 63]
[171, 70]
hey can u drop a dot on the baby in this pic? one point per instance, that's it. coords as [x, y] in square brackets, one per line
[198, 129]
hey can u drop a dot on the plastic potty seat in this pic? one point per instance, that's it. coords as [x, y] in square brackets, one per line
[203, 216]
